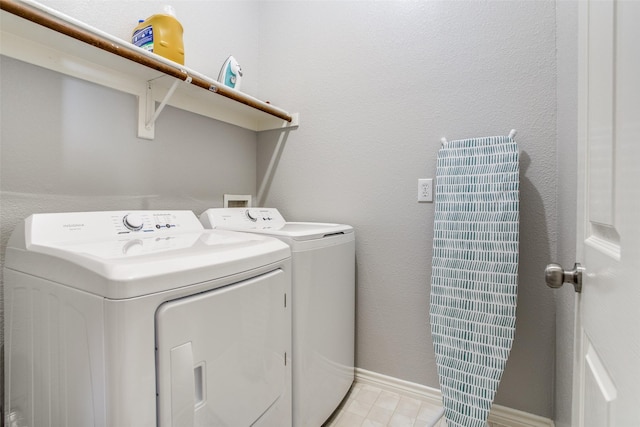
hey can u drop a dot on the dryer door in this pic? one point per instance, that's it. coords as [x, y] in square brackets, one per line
[221, 354]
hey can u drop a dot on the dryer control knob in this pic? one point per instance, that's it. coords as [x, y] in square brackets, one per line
[253, 214]
[133, 222]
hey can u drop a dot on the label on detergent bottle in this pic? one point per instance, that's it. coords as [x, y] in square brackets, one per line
[160, 34]
[144, 38]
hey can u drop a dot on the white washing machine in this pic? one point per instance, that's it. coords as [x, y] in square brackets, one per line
[145, 319]
[323, 293]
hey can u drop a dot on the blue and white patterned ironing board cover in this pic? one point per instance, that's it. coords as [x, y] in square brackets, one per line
[474, 272]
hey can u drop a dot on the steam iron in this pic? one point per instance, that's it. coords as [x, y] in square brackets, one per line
[231, 73]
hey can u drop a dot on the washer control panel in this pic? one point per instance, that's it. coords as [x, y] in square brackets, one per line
[243, 218]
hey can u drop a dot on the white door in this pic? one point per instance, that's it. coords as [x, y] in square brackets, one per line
[607, 354]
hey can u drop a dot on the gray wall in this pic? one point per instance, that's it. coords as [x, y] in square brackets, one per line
[377, 85]
[567, 57]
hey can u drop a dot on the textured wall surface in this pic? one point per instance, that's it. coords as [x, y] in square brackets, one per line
[377, 85]
[567, 55]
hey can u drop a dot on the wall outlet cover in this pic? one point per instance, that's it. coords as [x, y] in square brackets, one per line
[425, 190]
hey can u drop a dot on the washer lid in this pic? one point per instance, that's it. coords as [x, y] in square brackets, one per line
[305, 230]
[99, 253]
[269, 221]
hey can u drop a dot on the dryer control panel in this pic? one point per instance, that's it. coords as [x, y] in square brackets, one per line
[243, 218]
[91, 226]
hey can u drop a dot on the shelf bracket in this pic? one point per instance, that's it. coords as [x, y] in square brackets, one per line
[147, 111]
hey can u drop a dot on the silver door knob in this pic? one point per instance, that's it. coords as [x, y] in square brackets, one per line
[556, 276]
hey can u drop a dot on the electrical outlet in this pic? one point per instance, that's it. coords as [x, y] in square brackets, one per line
[425, 190]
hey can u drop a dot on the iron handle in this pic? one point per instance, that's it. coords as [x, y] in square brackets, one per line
[556, 276]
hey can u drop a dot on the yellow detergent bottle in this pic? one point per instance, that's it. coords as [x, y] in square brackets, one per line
[162, 35]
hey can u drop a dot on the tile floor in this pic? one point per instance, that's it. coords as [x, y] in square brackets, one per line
[369, 406]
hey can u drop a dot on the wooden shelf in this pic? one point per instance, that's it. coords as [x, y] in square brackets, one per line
[38, 35]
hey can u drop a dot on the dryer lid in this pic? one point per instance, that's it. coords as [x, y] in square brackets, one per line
[101, 253]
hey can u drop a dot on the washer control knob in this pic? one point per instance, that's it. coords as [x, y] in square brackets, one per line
[133, 222]
[253, 214]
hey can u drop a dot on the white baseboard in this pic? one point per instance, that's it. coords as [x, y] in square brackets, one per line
[500, 416]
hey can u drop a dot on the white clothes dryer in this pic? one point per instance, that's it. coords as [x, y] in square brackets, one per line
[144, 318]
[323, 305]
